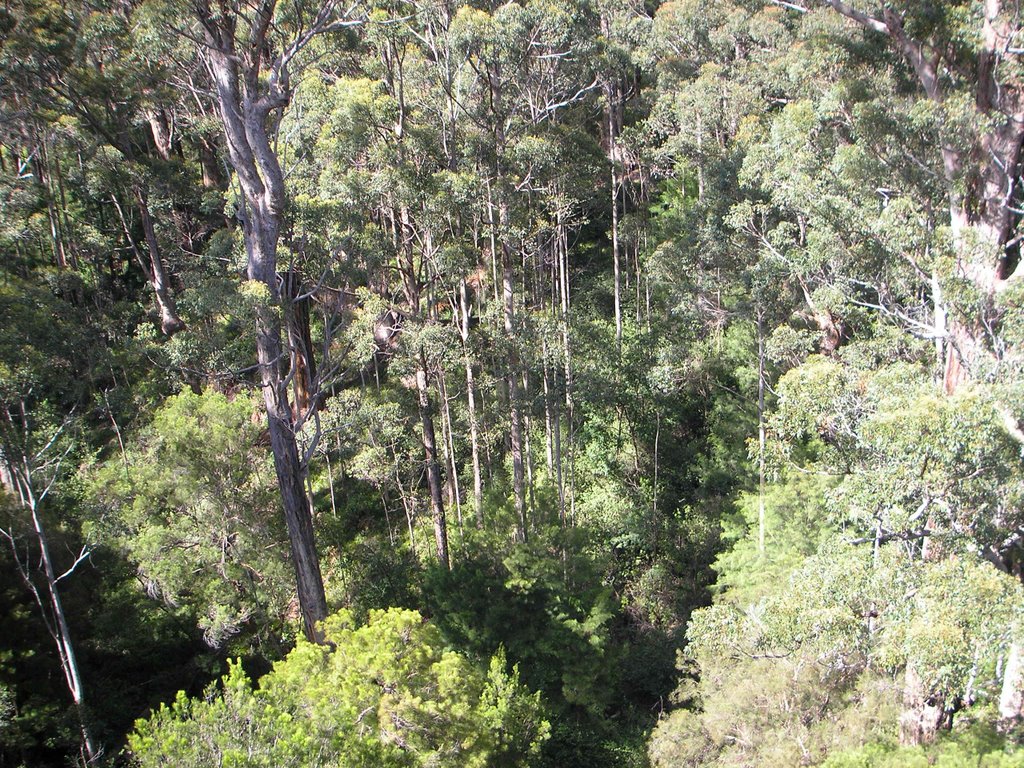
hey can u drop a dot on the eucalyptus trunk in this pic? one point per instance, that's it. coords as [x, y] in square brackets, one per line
[249, 103]
[432, 466]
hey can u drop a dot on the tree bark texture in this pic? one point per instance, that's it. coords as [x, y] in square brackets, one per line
[514, 396]
[1011, 697]
[248, 98]
[170, 323]
[20, 473]
[300, 347]
[474, 436]
[433, 468]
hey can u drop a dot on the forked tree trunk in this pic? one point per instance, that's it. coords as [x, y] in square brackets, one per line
[247, 98]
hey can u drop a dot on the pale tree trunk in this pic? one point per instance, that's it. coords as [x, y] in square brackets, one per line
[559, 478]
[213, 176]
[616, 255]
[170, 323]
[1011, 697]
[923, 713]
[507, 297]
[548, 438]
[153, 268]
[528, 451]
[563, 269]
[161, 127]
[57, 231]
[515, 407]
[760, 434]
[58, 175]
[432, 467]
[21, 474]
[554, 436]
[452, 474]
[474, 437]
[246, 103]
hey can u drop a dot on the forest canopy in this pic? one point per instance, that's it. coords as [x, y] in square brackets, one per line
[578, 383]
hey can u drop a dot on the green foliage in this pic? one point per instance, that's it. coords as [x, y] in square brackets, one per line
[191, 503]
[796, 523]
[979, 745]
[556, 631]
[384, 694]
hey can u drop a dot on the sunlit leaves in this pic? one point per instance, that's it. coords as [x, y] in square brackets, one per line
[385, 694]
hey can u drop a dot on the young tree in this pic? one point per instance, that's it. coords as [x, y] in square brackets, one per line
[389, 693]
[32, 466]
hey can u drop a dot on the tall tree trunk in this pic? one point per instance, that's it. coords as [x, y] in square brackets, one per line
[474, 437]
[246, 101]
[153, 268]
[213, 175]
[288, 466]
[170, 323]
[527, 450]
[548, 438]
[161, 130]
[563, 262]
[57, 234]
[1011, 697]
[616, 255]
[512, 382]
[433, 468]
[62, 635]
[760, 433]
[21, 473]
[923, 713]
[300, 346]
[451, 471]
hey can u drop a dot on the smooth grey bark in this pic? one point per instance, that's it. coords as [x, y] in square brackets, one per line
[474, 427]
[250, 93]
[20, 472]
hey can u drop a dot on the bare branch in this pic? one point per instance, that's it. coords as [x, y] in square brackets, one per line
[859, 16]
[82, 557]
